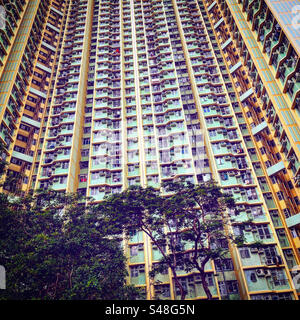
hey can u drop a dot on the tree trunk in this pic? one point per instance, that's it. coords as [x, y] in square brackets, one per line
[182, 292]
[205, 285]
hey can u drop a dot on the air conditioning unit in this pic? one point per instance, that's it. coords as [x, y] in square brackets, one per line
[282, 49]
[269, 262]
[289, 252]
[277, 260]
[267, 273]
[253, 250]
[268, 43]
[260, 272]
[290, 63]
[291, 159]
[248, 228]
[275, 56]
[290, 84]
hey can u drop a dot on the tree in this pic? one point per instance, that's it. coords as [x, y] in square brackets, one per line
[54, 248]
[197, 215]
[188, 214]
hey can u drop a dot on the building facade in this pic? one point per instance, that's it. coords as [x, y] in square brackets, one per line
[98, 95]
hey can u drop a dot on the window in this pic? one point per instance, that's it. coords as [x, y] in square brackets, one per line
[24, 127]
[209, 279]
[251, 194]
[135, 271]
[280, 195]
[94, 191]
[62, 179]
[257, 211]
[134, 249]
[83, 178]
[67, 151]
[19, 149]
[278, 277]
[228, 287]
[263, 231]
[273, 179]
[290, 184]
[212, 133]
[184, 150]
[22, 138]
[294, 232]
[224, 176]
[224, 265]
[268, 163]
[286, 212]
[253, 277]
[262, 150]
[84, 164]
[65, 165]
[244, 252]
[84, 152]
[97, 161]
[86, 140]
[163, 290]
[16, 161]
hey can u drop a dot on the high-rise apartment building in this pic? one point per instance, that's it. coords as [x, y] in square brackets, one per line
[98, 95]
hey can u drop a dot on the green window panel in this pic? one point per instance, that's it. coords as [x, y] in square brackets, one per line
[139, 280]
[153, 184]
[61, 171]
[251, 259]
[59, 186]
[136, 237]
[137, 253]
[256, 283]
[162, 278]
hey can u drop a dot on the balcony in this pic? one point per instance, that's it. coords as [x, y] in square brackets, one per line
[275, 168]
[293, 220]
[22, 157]
[259, 128]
